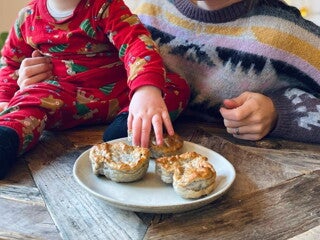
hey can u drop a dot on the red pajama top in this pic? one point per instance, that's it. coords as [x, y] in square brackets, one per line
[102, 39]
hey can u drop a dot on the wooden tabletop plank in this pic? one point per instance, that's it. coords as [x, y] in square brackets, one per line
[77, 214]
[279, 212]
[23, 211]
[16, 219]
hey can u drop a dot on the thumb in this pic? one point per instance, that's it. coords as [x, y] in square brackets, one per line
[235, 102]
[230, 104]
[36, 53]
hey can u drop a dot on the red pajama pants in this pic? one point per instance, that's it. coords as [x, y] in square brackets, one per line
[62, 105]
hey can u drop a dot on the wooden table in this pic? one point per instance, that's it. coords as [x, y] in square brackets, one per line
[276, 194]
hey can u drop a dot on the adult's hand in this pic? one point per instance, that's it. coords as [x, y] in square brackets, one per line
[34, 70]
[250, 116]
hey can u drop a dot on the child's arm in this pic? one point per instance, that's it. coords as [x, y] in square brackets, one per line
[146, 74]
[14, 51]
[136, 48]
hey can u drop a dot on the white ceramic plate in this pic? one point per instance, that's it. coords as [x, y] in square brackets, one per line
[150, 194]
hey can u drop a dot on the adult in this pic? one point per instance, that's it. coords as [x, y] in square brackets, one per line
[255, 64]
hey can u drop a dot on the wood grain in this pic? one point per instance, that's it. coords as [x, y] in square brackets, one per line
[77, 214]
[275, 195]
[278, 213]
[22, 209]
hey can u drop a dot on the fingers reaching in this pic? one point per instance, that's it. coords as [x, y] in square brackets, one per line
[148, 112]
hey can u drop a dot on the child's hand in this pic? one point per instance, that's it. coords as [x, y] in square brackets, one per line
[250, 116]
[147, 109]
[34, 70]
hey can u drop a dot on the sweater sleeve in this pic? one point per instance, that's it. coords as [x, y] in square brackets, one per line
[298, 115]
[137, 50]
[13, 52]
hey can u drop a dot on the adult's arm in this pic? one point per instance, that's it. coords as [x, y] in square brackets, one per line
[298, 115]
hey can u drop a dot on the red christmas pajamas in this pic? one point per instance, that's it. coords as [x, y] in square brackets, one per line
[100, 56]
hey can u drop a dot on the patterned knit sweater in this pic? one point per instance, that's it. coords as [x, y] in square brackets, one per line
[270, 50]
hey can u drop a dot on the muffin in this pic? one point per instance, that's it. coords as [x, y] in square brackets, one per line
[119, 161]
[171, 145]
[190, 173]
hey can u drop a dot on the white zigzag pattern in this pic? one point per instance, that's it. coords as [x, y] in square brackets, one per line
[311, 118]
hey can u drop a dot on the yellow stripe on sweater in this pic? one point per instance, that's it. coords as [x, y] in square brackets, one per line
[147, 9]
[205, 29]
[153, 10]
[289, 43]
